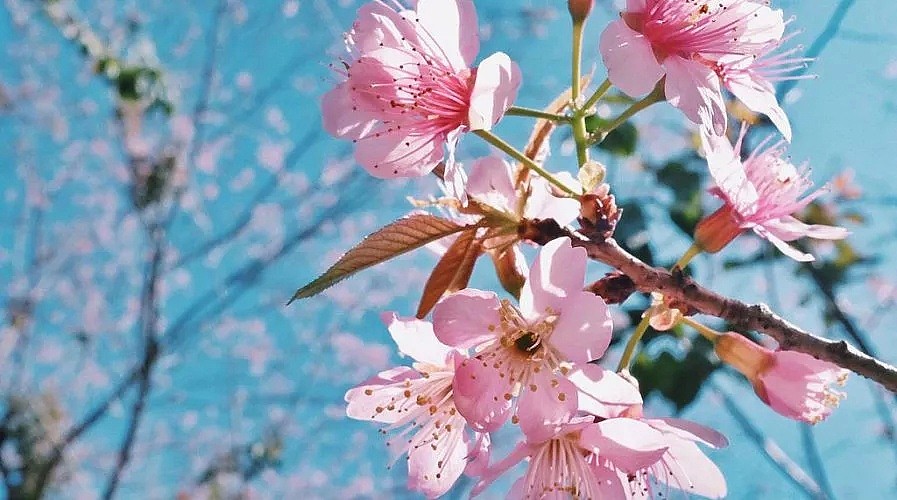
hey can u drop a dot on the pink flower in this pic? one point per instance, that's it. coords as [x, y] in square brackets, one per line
[759, 193]
[615, 458]
[492, 183]
[410, 91]
[525, 352]
[793, 384]
[683, 41]
[750, 78]
[491, 190]
[419, 401]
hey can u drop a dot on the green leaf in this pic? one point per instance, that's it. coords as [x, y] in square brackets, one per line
[391, 241]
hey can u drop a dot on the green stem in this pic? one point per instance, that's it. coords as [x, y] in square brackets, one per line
[655, 96]
[601, 92]
[708, 333]
[689, 254]
[522, 158]
[535, 113]
[580, 135]
[633, 343]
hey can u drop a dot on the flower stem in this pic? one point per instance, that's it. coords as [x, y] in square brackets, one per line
[535, 113]
[655, 96]
[708, 333]
[601, 92]
[633, 343]
[580, 135]
[522, 158]
[689, 254]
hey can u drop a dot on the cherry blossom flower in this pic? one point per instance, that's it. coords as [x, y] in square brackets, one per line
[419, 401]
[525, 352]
[410, 90]
[792, 383]
[750, 78]
[759, 193]
[683, 41]
[614, 458]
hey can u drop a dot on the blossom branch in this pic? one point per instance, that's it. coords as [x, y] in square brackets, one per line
[745, 316]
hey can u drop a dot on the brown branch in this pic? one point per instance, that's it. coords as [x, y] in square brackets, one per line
[758, 317]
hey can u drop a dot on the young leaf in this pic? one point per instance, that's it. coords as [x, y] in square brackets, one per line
[391, 241]
[452, 272]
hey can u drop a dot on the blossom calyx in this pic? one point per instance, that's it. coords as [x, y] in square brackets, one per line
[615, 287]
[717, 230]
[580, 9]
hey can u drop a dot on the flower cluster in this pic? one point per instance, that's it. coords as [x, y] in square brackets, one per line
[533, 360]
[484, 362]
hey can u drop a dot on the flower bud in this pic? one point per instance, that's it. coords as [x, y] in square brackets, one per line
[717, 230]
[794, 384]
[598, 213]
[580, 9]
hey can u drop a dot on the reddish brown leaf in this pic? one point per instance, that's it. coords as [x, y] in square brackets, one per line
[391, 241]
[452, 272]
[508, 270]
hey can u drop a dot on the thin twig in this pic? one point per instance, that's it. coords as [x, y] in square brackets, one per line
[758, 317]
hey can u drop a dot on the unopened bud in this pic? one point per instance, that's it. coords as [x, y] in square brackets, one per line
[598, 213]
[580, 9]
[591, 175]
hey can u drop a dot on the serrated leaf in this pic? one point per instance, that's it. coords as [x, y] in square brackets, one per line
[391, 241]
[452, 272]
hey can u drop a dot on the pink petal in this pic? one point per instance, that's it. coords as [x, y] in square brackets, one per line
[466, 318]
[783, 247]
[610, 485]
[692, 431]
[559, 272]
[494, 90]
[762, 25]
[481, 395]
[434, 471]
[602, 392]
[584, 328]
[728, 171]
[630, 444]
[629, 58]
[760, 97]
[694, 88]
[415, 338]
[339, 119]
[687, 468]
[546, 405]
[454, 179]
[479, 451]
[789, 229]
[449, 28]
[520, 452]
[385, 388]
[492, 182]
[395, 154]
[543, 204]
[378, 25]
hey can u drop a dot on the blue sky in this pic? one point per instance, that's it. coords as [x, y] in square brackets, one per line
[210, 392]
